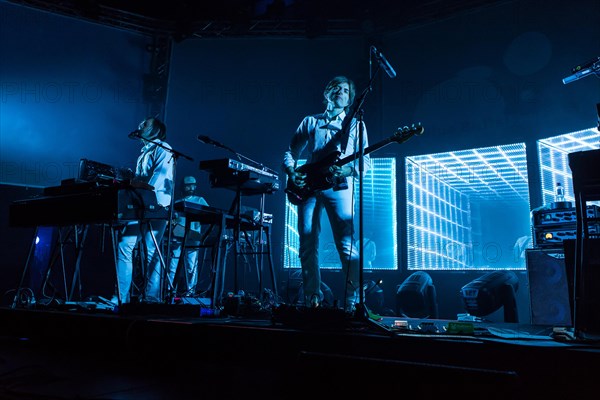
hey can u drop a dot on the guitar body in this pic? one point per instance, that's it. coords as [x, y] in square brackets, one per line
[319, 176]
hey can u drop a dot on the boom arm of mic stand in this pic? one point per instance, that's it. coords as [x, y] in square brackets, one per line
[175, 153]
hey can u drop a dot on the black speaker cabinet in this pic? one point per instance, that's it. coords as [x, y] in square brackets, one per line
[550, 288]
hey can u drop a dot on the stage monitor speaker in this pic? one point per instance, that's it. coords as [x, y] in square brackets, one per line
[586, 319]
[550, 286]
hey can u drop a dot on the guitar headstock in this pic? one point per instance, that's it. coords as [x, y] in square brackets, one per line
[405, 133]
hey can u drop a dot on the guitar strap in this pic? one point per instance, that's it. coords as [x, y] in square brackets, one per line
[342, 135]
[345, 131]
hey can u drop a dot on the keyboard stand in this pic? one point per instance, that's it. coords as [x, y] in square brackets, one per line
[75, 234]
[214, 219]
[246, 228]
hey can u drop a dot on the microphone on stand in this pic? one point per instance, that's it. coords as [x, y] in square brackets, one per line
[383, 62]
[585, 65]
[134, 135]
[207, 140]
[583, 70]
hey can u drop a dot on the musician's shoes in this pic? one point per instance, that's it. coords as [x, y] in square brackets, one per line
[152, 300]
[350, 304]
[189, 293]
[315, 301]
[350, 307]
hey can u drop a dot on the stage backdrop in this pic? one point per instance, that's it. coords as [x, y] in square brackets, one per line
[72, 89]
[68, 90]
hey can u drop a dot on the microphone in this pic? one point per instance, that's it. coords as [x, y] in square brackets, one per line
[583, 70]
[383, 62]
[585, 65]
[207, 140]
[134, 135]
[578, 75]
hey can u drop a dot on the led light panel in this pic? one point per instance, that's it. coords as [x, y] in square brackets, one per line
[468, 209]
[554, 163]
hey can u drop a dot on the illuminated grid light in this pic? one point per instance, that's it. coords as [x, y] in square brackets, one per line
[379, 212]
[441, 190]
[554, 162]
[291, 237]
[495, 172]
[438, 224]
[380, 221]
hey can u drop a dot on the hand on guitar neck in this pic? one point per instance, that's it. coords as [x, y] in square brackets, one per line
[331, 171]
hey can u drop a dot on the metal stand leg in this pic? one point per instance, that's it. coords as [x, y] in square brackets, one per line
[114, 241]
[79, 254]
[219, 270]
[158, 252]
[25, 269]
[271, 266]
[181, 261]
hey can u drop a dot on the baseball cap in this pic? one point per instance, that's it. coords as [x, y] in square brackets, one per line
[189, 180]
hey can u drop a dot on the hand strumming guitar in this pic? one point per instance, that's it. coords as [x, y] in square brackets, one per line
[297, 178]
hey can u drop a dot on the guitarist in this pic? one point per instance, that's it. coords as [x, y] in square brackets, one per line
[316, 138]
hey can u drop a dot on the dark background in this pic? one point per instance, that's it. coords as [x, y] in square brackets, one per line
[74, 84]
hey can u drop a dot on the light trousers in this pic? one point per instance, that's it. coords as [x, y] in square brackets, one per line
[132, 233]
[190, 261]
[339, 206]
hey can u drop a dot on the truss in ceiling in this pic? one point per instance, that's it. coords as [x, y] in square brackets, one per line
[188, 19]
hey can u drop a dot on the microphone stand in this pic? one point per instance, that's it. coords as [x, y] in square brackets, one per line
[361, 312]
[167, 263]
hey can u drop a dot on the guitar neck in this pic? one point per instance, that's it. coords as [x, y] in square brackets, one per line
[370, 149]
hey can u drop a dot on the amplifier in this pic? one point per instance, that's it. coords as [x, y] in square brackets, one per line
[550, 287]
[554, 235]
[561, 216]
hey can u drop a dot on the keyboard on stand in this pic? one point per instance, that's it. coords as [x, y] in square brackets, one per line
[88, 203]
[237, 176]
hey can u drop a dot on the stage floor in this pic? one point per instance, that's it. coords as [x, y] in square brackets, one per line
[150, 351]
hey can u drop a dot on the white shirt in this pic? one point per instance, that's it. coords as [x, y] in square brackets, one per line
[313, 135]
[155, 167]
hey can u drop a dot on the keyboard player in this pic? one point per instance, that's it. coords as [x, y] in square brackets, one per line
[154, 167]
[190, 257]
